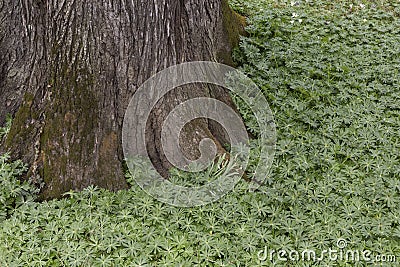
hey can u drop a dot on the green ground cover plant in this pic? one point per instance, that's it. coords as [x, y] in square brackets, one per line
[330, 71]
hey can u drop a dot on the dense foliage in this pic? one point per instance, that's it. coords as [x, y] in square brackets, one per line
[331, 75]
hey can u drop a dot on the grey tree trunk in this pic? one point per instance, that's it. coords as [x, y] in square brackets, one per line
[68, 69]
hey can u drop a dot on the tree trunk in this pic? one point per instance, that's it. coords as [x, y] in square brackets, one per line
[69, 68]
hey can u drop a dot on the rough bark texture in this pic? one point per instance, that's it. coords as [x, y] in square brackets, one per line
[68, 69]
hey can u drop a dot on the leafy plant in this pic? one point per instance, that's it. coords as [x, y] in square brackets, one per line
[13, 192]
[4, 130]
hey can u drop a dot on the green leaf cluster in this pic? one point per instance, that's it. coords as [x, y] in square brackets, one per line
[13, 192]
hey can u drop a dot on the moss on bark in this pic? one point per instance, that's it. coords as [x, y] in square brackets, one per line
[68, 137]
[25, 115]
[233, 27]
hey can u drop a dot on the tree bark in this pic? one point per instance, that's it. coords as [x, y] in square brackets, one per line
[69, 68]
